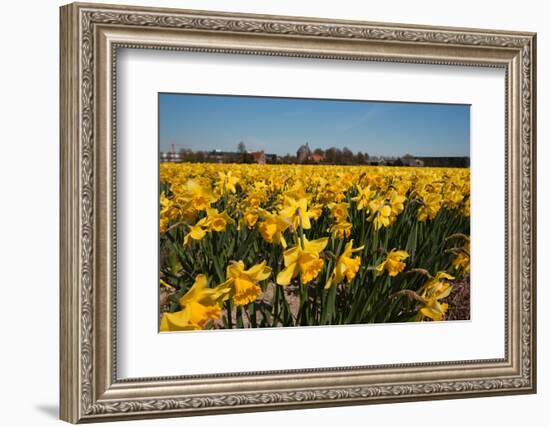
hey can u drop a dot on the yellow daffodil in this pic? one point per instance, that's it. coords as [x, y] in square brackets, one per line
[453, 199]
[330, 193]
[255, 199]
[168, 212]
[363, 197]
[296, 212]
[393, 263]
[199, 196]
[466, 208]
[430, 207]
[297, 192]
[167, 206]
[437, 281]
[397, 203]
[260, 186]
[273, 227]
[163, 224]
[346, 266]
[196, 232]
[339, 211]
[227, 182]
[402, 187]
[217, 221]
[462, 259]
[380, 214]
[304, 262]
[244, 283]
[434, 309]
[250, 217]
[199, 305]
[340, 229]
[376, 180]
[431, 293]
[315, 211]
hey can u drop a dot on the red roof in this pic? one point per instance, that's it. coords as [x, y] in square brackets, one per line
[257, 154]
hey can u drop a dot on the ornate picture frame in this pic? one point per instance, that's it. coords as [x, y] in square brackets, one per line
[90, 37]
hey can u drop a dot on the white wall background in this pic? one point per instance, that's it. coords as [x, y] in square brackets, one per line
[29, 171]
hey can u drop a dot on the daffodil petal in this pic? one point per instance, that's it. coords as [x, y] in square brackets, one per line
[315, 245]
[286, 275]
[291, 255]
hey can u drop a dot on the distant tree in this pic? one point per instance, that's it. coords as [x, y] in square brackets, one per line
[288, 159]
[244, 156]
[193, 157]
[347, 156]
[247, 158]
[270, 160]
[333, 155]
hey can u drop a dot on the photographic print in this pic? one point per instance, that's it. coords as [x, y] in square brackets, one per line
[278, 212]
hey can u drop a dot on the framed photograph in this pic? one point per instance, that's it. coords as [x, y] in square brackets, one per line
[267, 212]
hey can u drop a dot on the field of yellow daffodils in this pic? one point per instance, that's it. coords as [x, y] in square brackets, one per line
[290, 245]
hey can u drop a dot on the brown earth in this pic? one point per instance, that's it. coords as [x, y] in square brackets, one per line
[459, 300]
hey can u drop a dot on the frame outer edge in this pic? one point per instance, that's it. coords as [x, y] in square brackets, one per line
[69, 356]
[305, 19]
[533, 207]
[78, 166]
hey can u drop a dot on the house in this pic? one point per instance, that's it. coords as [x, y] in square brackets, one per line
[411, 161]
[317, 158]
[169, 157]
[218, 156]
[164, 157]
[303, 154]
[258, 156]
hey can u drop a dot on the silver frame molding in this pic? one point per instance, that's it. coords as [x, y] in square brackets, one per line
[90, 37]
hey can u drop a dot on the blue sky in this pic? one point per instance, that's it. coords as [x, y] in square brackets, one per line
[281, 125]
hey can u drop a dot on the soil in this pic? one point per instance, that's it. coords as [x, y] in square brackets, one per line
[291, 295]
[459, 301]
[164, 301]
